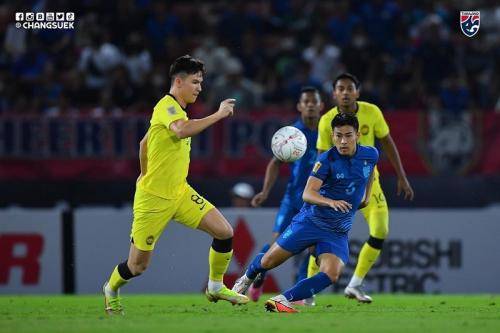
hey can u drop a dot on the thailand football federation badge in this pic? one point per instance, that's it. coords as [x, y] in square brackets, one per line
[469, 22]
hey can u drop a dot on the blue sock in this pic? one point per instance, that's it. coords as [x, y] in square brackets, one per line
[255, 267]
[259, 281]
[308, 287]
[265, 248]
[302, 273]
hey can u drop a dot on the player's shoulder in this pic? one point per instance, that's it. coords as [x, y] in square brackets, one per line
[327, 117]
[170, 104]
[330, 114]
[368, 152]
[298, 124]
[370, 107]
[330, 155]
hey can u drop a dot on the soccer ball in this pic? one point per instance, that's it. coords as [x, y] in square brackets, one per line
[288, 144]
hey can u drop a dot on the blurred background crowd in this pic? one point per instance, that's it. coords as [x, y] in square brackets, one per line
[74, 103]
[408, 54]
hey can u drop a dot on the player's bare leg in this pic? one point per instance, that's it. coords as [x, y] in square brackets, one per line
[219, 258]
[136, 264]
[256, 289]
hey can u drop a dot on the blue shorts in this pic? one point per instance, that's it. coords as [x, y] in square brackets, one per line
[284, 217]
[301, 235]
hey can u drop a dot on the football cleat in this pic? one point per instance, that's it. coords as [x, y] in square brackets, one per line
[310, 301]
[279, 304]
[242, 284]
[226, 294]
[357, 293]
[112, 304]
[255, 292]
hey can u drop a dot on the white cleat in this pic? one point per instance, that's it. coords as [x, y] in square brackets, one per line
[310, 301]
[242, 284]
[357, 293]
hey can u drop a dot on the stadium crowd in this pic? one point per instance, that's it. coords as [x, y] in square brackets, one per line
[408, 54]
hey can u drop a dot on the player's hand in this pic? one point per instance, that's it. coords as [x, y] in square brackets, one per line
[363, 204]
[259, 199]
[226, 108]
[404, 186]
[341, 205]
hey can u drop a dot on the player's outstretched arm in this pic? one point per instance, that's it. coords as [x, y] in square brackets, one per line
[389, 147]
[187, 128]
[311, 195]
[272, 172]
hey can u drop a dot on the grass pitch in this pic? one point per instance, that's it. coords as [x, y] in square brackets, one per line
[193, 313]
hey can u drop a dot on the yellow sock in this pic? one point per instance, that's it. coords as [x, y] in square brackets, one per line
[367, 257]
[312, 267]
[218, 263]
[115, 280]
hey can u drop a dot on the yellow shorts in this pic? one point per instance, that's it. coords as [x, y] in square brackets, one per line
[377, 213]
[153, 213]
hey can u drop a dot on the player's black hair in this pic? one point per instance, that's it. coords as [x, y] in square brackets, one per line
[343, 119]
[310, 89]
[348, 76]
[186, 65]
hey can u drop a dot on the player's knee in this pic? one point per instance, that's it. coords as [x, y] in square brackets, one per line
[225, 232]
[375, 242]
[332, 273]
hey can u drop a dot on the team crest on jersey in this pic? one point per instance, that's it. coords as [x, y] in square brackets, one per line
[150, 240]
[316, 167]
[171, 110]
[365, 129]
[469, 22]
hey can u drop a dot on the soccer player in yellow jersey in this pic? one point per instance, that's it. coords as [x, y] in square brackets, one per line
[372, 125]
[162, 192]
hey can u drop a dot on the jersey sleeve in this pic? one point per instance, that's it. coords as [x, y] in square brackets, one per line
[324, 141]
[321, 168]
[380, 128]
[167, 113]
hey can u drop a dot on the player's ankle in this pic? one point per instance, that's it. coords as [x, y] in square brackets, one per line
[214, 286]
[355, 281]
[110, 292]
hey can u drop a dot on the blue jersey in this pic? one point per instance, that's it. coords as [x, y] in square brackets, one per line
[344, 178]
[300, 169]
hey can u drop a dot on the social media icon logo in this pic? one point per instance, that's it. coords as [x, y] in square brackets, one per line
[49, 16]
[40, 16]
[19, 16]
[30, 16]
[59, 16]
[70, 16]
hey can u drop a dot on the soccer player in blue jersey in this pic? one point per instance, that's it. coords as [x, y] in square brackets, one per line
[339, 184]
[310, 107]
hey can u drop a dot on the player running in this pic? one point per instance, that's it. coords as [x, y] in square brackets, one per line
[372, 125]
[162, 192]
[339, 184]
[310, 107]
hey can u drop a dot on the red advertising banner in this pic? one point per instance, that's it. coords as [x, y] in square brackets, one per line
[85, 147]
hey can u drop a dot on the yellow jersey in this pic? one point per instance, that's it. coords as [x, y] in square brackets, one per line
[167, 155]
[371, 125]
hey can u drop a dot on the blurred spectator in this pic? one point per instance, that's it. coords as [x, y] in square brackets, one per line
[137, 59]
[248, 95]
[401, 50]
[323, 59]
[241, 195]
[213, 55]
